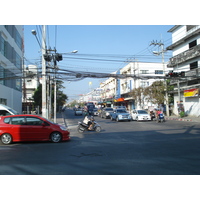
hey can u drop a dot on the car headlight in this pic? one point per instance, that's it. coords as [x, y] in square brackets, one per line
[120, 116]
[63, 128]
[107, 113]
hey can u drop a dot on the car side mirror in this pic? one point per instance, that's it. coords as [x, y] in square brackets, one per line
[43, 124]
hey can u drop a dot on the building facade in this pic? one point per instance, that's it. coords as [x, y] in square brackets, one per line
[145, 74]
[11, 58]
[186, 58]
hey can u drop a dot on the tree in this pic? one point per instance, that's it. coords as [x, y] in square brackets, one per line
[137, 95]
[155, 93]
[61, 97]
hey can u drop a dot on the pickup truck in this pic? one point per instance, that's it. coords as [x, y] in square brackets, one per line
[120, 115]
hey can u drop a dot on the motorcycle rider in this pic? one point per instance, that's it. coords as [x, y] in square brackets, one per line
[88, 121]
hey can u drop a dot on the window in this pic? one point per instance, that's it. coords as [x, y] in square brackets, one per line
[158, 71]
[4, 113]
[33, 121]
[3, 101]
[144, 83]
[3, 46]
[192, 44]
[193, 65]
[7, 120]
[18, 120]
[144, 71]
[2, 76]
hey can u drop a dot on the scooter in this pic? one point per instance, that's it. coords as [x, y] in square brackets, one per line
[82, 127]
[160, 118]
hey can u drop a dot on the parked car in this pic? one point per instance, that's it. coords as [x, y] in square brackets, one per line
[105, 113]
[5, 110]
[78, 111]
[120, 115]
[140, 115]
[95, 112]
[16, 128]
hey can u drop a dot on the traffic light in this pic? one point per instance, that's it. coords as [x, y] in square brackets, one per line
[176, 74]
[47, 57]
[182, 74]
[58, 57]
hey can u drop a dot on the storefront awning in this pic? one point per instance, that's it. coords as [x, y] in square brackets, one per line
[119, 100]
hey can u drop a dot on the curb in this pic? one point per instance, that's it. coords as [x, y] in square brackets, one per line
[179, 119]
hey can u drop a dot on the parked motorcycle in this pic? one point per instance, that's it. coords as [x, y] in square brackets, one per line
[82, 127]
[160, 118]
[152, 115]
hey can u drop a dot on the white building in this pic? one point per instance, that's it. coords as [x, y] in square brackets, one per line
[108, 90]
[30, 84]
[146, 74]
[186, 57]
[11, 55]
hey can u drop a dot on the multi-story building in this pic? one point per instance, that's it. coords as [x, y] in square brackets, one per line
[186, 57]
[29, 85]
[11, 56]
[146, 73]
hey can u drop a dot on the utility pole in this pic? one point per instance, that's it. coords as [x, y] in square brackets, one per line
[162, 51]
[44, 97]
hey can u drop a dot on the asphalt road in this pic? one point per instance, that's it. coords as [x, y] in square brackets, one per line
[121, 148]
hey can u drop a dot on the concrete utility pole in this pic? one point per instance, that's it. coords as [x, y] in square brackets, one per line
[162, 51]
[44, 97]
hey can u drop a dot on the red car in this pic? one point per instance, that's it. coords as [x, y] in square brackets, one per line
[15, 128]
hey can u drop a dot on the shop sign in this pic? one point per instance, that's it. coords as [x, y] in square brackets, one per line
[191, 92]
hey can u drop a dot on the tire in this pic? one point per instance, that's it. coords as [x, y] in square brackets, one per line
[111, 118]
[80, 129]
[137, 119]
[117, 119]
[56, 137]
[6, 138]
[98, 129]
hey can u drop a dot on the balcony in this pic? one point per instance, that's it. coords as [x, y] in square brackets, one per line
[184, 56]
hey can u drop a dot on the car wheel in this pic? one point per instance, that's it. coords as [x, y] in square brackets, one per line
[137, 119]
[6, 138]
[98, 129]
[56, 137]
[81, 129]
[117, 119]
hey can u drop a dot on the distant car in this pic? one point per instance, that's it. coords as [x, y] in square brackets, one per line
[105, 113]
[140, 115]
[78, 111]
[120, 115]
[16, 128]
[120, 107]
[95, 112]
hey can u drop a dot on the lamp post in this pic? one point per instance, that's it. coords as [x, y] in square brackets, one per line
[161, 52]
[43, 48]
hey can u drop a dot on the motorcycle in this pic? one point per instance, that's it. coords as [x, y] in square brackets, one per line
[152, 115]
[82, 127]
[160, 118]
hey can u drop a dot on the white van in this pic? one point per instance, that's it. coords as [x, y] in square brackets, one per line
[5, 110]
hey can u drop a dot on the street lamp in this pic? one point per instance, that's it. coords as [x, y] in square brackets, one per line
[43, 47]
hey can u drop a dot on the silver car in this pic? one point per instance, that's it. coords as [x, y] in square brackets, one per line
[140, 115]
[120, 115]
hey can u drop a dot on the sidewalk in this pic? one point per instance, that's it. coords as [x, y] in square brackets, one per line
[185, 119]
[60, 119]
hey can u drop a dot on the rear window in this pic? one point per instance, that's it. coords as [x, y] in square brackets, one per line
[7, 120]
[109, 109]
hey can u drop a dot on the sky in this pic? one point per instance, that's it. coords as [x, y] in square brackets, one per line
[101, 48]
